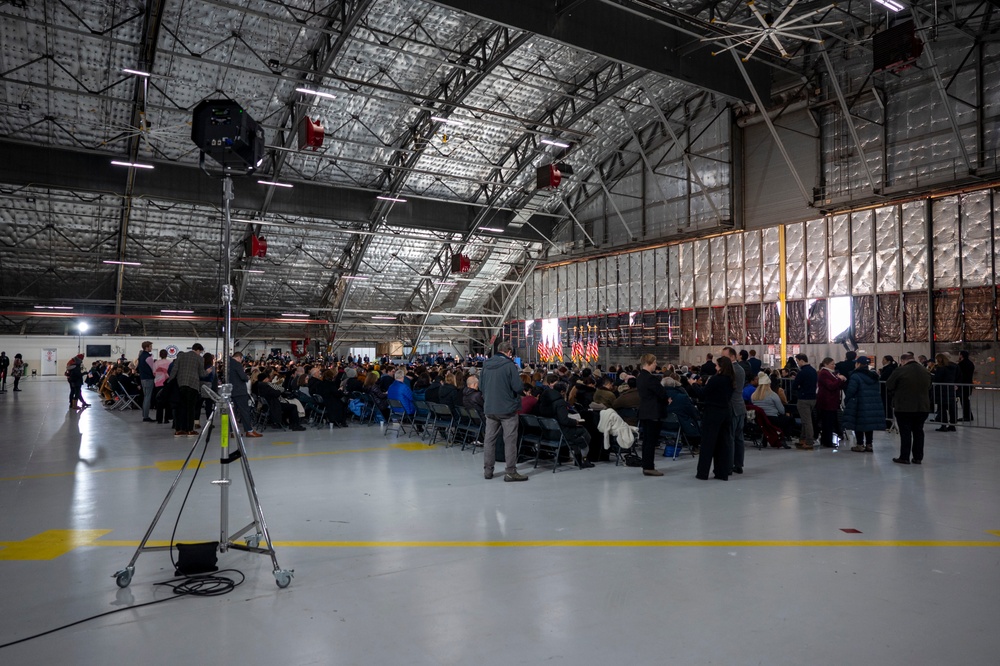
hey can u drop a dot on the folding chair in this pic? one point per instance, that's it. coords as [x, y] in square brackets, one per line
[551, 439]
[125, 400]
[444, 420]
[318, 412]
[261, 414]
[421, 417]
[530, 433]
[672, 435]
[475, 431]
[398, 418]
[462, 428]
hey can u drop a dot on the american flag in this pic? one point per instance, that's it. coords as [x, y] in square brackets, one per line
[593, 353]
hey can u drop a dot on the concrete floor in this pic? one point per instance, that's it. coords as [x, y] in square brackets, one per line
[405, 555]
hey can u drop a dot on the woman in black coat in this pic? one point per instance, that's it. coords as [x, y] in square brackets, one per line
[715, 421]
[652, 407]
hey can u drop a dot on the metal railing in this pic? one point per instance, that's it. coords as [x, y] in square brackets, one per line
[961, 405]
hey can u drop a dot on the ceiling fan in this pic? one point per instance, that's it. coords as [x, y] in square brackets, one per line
[769, 28]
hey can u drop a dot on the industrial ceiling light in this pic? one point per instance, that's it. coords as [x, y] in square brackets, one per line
[553, 142]
[53, 307]
[493, 229]
[137, 165]
[471, 321]
[317, 93]
[122, 263]
[177, 311]
[445, 283]
[294, 314]
[249, 270]
[82, 326]
[354, 277]
[890, 4]
[395, 199]
[383, 317]
[447, 121]
[137, 72]
[274, 184]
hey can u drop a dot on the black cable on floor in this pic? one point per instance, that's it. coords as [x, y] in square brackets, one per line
[200, 585]
[212, 585]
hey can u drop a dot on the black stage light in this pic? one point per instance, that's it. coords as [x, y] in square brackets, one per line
[227, 134]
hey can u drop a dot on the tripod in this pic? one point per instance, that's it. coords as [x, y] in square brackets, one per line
[227, 419]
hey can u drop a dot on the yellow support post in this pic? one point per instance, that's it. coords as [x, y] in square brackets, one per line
[782, 263]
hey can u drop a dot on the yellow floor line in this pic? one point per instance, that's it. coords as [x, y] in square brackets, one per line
[55, 543]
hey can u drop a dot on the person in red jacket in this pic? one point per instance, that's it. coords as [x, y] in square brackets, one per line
[829, 388]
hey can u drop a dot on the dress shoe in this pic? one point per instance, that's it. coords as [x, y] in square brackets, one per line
[941, 429]
[487, 474]
[738, 470]
[721, 478]
[586, 464]
[298, 428]
[148, 420]
[254, 433]
[916, 462]
[652, 472]
[901, 461]
[700, 477]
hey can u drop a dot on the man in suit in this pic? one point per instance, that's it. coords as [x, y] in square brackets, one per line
[241, 394]
[910, 388]
[966, 371]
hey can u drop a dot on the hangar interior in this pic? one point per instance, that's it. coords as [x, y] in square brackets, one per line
[767, 174]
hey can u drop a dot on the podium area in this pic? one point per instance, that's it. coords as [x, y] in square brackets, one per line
[403, 553]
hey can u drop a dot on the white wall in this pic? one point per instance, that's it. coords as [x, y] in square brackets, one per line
[67, 346]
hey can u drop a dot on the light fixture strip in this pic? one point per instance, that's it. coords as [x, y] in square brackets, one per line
[553, 142]
[317, 93]
[294, 314]
[354, 277]
[53, 307]
[471, 321]
[383, 317]
[447, 121]
[136, 165]
[137, 72]
[274, 184]
[122, 263]
[395, 199]
[177, 311]
[493, 229]
[890, 4]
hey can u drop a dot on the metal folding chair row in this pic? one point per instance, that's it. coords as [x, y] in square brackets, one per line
[398, 418]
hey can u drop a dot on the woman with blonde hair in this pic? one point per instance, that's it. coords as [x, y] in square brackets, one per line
[770, 403]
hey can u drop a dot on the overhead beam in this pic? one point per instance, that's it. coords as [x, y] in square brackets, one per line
[28, 165]
[657, 44]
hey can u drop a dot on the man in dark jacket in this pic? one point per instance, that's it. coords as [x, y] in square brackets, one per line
[240, 396]
[501, 390]
[552, 404]
[846, 367]
[910, 388]
[707, 369]
[966, 372]
[804, 388]
[144, 365]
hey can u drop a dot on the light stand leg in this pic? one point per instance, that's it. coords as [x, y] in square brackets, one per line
[227, 419]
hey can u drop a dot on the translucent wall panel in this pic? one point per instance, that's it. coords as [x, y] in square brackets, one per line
[635, 281]
[717, 269]
[913, 227]
[608, 267]
[734, 276]
[594, 279]
[549, 286]
[838, 265]
[862, 260]
[795, 260]
[770, 249]
[887, 249]
[686, 270]
[650, 279]
[531, 292]
[663, 282]
[569, 308]
[702, 268]
[977, 249]
[752, 289]
[946, 248]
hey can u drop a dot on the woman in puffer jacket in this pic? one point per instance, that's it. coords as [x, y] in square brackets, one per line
[863, 412]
